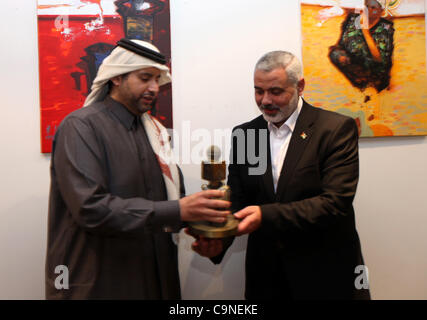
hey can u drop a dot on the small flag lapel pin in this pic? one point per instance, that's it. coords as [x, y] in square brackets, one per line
[303, 135]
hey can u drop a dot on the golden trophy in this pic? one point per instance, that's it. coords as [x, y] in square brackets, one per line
[213, 170]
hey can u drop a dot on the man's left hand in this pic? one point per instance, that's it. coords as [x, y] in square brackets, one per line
[251, 219]
[206, 247]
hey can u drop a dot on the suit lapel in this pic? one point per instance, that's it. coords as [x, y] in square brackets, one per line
[267, 177]
[299, 140]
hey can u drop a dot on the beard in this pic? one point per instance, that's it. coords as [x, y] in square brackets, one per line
[142, 106]
[283, 113]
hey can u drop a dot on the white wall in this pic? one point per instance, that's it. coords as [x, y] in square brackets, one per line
[215, 45]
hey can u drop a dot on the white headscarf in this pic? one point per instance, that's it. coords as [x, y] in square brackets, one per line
[122, 61]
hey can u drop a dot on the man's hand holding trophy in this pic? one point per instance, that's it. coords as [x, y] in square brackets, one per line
[209, 235]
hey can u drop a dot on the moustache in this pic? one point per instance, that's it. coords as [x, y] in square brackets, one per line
[151, 97]
[148, 95]
[269, 107]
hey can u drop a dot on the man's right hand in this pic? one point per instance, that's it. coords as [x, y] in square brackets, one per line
[201, 207]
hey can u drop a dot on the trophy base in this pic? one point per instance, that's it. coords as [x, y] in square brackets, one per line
[210, 231]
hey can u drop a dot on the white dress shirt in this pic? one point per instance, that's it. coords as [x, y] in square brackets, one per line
[279, 142]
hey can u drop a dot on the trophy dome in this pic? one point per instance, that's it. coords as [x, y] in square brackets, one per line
[213, 153]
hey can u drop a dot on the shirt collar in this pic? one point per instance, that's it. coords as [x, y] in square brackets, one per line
[127, 118]
[290, 123]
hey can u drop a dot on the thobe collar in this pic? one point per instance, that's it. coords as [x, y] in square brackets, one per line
[127, 118]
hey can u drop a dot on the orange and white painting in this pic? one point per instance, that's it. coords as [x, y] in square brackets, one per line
[367, 59]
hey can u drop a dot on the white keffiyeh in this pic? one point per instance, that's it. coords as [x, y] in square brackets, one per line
[122, 61]
[159, 140]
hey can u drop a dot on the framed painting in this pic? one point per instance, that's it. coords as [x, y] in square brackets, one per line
[367, 59]
[74, 37]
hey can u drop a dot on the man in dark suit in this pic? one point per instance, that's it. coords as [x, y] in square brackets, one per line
[298, 212]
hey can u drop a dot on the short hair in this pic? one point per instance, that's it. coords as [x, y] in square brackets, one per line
[281, 59]
[382, 3]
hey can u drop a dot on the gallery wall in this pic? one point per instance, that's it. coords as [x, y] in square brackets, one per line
[215, 45]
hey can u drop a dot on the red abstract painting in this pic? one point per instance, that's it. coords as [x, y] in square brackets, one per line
[76, 35]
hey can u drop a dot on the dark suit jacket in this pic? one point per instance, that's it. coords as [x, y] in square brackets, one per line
[307, 246]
